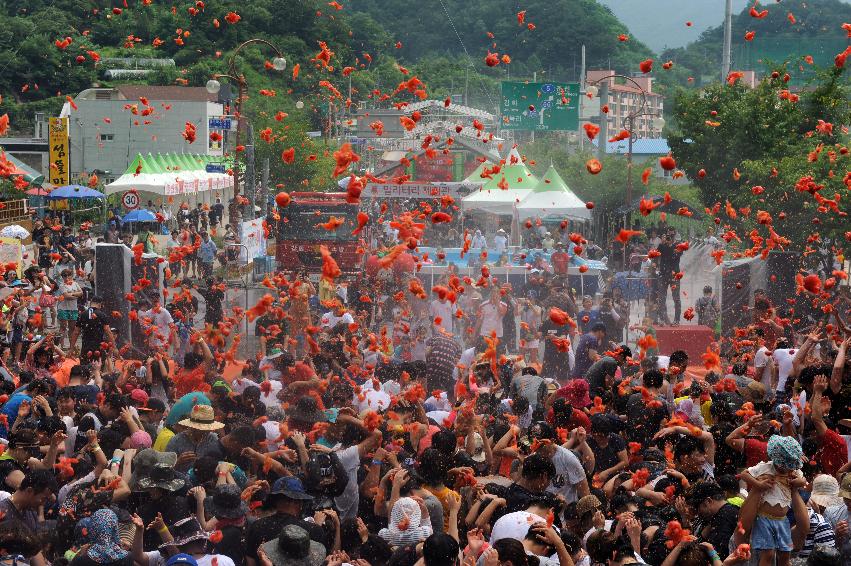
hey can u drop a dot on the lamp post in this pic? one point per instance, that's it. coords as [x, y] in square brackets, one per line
[628, 123]
[279, 63]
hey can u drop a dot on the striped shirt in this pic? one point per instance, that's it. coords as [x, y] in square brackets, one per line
[820, 533]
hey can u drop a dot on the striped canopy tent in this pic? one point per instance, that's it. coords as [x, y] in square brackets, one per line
[551, 197]
[518, 181]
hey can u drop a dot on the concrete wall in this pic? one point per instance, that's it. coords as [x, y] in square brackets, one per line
[111, 146]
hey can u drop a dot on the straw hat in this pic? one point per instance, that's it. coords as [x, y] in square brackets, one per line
[202, 418]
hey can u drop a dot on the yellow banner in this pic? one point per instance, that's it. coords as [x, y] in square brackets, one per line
[60, 165]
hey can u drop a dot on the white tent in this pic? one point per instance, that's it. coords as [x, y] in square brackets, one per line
[552, 197]
[504, 190]
[170, 174]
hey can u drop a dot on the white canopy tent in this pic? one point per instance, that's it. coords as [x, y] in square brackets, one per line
[518, 181]
[178, 175]
[552, 197]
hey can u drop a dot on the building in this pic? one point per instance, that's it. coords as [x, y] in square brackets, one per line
[624, 99]
[645, 153]
[110, 126]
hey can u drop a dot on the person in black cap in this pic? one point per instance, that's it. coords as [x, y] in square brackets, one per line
[151, 415]
[287, 498]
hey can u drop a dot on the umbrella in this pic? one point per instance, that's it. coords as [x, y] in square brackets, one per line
[14, 231]
[74, 191]
[140, 215]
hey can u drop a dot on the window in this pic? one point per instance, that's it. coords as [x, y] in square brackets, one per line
[107, 137]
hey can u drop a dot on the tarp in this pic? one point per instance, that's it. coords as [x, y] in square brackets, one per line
[29, 174]
[496, 200]
[552, 197]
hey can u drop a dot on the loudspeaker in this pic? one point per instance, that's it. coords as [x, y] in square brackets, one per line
[780, 276]
[112, 283]
[735, 296]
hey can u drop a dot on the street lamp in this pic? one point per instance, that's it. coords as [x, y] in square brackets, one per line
[279, 63]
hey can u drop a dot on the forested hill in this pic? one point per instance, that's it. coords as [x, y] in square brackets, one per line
[464, 27]
[792, 30]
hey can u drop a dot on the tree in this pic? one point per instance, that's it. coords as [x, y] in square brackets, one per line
[731, 139]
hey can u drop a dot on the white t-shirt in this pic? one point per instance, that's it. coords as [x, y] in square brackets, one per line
[662, 362]
[156, 559]
[443, 310]
[783, 357]
[760, 360]
[780, 493]
[499, 242]
[330, 320]
[64, 288]
[569, 472]
[347, 502]
[491, 319]
[163, 321]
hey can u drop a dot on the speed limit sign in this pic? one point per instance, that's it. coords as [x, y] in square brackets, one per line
[130, 200]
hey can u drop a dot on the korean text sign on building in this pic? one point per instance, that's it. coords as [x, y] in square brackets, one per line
[60, 166]
[540, 106]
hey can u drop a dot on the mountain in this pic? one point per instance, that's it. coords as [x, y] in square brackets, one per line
[667, 28]
[814, 31]
[551, 46]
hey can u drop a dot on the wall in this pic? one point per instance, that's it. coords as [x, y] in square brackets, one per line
[97, 144]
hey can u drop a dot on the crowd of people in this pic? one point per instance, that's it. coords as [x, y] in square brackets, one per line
[381, 423]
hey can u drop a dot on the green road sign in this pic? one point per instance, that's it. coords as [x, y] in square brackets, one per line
[540, 106]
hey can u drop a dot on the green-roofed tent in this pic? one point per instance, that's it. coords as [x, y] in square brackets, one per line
[519, 181]
[552, 197]
[167, 174]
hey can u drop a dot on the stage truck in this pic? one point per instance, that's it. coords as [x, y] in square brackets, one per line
[304, 227]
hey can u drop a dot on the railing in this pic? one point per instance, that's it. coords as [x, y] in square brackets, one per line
[13, 210]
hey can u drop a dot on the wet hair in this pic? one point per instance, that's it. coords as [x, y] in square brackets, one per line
[440, 549]
[17, 541]
[204, 469]
[685, 446]
[653, 378]
[679, 357]
[728, 482]
[536, 466]
[243, 435]
[433, 466]
[38, 481]
[512, 550]
[445, 442]
[51, 425]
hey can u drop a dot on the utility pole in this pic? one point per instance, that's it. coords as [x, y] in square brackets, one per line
[534, 80]
[728, 41]
[581, 98]
[250, 185]
[264, 188]
[604, 119]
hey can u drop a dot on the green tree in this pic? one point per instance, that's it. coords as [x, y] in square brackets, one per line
[733, 138]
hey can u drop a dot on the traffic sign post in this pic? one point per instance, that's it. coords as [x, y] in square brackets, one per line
[130, 200]
[540, 107]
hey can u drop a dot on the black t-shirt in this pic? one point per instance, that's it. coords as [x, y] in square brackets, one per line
[606, 457]
[556, 364]
[91, 323]
[214, 299]
[669, 259]
[643, 421]
[722, 525]
[268, 528]
[231, 544]
[596, 374]
[173, 508]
